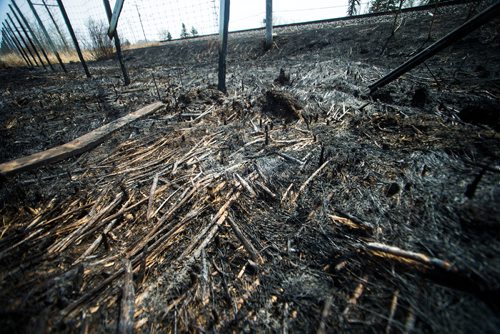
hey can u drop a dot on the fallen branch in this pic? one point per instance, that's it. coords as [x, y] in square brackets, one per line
[306, 183]
[77, 146]
[381, 249]
[254, 254]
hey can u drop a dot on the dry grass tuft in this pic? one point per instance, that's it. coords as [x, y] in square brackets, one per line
[11, 60]
[15, 60]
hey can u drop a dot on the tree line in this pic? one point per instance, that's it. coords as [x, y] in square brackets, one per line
[375, 6]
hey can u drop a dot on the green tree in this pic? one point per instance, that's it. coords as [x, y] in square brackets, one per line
[165, 35]
[352, 7]
[194, 32]
[383, 5]
[184, 32]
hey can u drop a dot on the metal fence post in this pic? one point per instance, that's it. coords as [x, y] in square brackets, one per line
[223, 34]
[7, 42]
[73, 36]
[63, 39]
[118, 47]
[47, 36]
[484, 17]
[28, 37]
[35, 38]
[140, 21]
[269, 24]
[22, 39]
[12, 47]
[16, 42]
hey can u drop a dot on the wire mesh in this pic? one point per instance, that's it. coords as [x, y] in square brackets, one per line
[144, 21]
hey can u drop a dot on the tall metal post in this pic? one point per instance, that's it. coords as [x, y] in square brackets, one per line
[8, 45]
[140, 21]
[63, 39]
[223, 34]
[13, 37]
[118, 47]
[47, 36]
[269, 24]
[13, 46]
[35, 38]
[22, 39]
[73, 37]
[484, 17]
[7, 42]
[27, 37]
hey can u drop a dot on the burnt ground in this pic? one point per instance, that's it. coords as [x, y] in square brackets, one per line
[272, 208]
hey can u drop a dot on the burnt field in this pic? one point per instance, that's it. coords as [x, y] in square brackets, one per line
[296, 202]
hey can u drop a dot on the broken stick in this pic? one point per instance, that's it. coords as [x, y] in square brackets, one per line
[126, 323]
[254, 254]
[418, 257]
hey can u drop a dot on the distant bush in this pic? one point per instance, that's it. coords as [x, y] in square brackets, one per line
[101, 46]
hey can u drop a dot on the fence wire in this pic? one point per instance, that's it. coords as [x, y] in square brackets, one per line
[144, 21]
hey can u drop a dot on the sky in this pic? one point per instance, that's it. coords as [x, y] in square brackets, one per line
[151, 19]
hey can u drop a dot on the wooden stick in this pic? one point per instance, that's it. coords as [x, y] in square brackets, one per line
[324, 315]
[188, 193]
[410, 321]
[290, 158]
[306, 183]
[212, 228]
[355, 296]
[246, 185]
[77, 146]
[266, 189]
[96, 242]
[152, 197]
[75, 235]
[126, 322]
[392, 312]
[254, 254]
[418, 257]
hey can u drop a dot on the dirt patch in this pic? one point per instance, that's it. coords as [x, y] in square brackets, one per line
[282, 106]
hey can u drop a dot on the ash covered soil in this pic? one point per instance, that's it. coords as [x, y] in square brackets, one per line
[294, 203]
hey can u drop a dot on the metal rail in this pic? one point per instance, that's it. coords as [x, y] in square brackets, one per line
[480, 19]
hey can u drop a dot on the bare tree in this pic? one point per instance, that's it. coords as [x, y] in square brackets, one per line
[101, 46]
